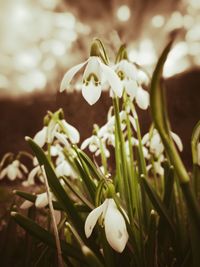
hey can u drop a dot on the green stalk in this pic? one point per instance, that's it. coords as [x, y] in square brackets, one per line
[126, 192]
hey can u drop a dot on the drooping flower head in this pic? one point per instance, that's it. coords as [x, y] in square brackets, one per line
[113, 221]
[128, 74]
[95, 72]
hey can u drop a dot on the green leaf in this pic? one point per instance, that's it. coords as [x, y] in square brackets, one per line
[157, 203]
[169, 186]
[86, 177]
[91, 258]
[91, 166]
[196, 168]
[160, 118]
[43, 235]
[151, 244]
[57, 188]
[194, 142]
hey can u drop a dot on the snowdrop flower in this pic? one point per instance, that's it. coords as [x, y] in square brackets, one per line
[65, 169]
[41, 202]
[107, 131]
[95, 72]
[93, 143]
[127, 72]
[14, 170]
[114, 224]
[154, 142]
[71, 132]
[54, 130]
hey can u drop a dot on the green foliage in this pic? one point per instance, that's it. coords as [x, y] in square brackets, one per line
[159, 211]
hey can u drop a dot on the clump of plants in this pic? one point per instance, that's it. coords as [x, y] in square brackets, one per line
[144, 211]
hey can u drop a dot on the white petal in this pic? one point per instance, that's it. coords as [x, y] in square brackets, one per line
[40, 137]
[63, 169]
[51, 130]
[142, 98]
[31, 176]
[24, 168]
[26, 205]
[12, 172]
[145, 139]
[92, 218]
[93, 66]
[69, 76]
[112, 79]
[158, 168]
[86, 142]
[72, 132]
[133, 122]
[177, 140]
[19, 174]
[3, 173]
[41, 200]
[115, 227]
[131, 88]
[91, 92]
[62, 139]
[128, 68]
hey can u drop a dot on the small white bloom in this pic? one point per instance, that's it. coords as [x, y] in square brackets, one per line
[41, 137]
[114, 223]
[41, 202]
[93, 143]
[26, 205]
[71, 132]
[63, 169]
[13, 171]
[92, 79]
[154, 142]
[128, 75]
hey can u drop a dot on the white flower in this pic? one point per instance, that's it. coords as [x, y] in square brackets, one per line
[92, 79]
[41, 202]
[155, 146]
[48, 133]
[128, 75]
[65, 169]
[93, 143]
[14, 170]
[71, 132]
[154, 142]
[114, 223]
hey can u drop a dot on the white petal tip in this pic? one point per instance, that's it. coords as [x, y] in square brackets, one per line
[27, 138]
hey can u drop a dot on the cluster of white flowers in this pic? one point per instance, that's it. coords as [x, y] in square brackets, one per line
[106, 134]
[152, 141]
[57, 134]
[97, 75]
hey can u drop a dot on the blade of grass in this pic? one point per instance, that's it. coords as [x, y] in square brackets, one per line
[44, 236]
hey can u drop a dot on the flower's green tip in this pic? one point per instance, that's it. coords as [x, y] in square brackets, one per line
[27, 138]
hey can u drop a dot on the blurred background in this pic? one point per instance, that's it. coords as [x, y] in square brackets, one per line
[41, 39]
